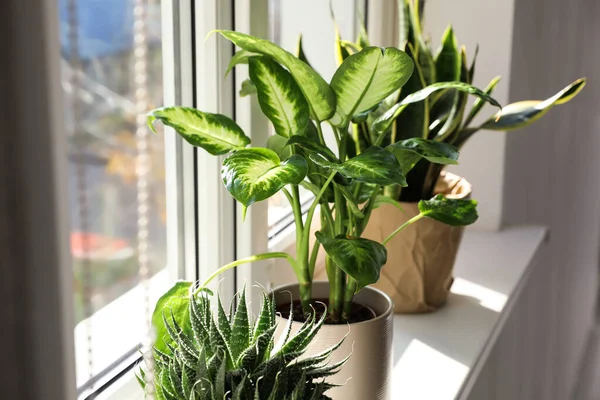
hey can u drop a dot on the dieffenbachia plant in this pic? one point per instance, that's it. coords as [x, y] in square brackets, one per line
[201, 355]
[347, 182]
[442, 116]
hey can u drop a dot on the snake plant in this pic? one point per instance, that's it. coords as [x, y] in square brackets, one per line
[201, 356]
[347, 181]
[443, 117]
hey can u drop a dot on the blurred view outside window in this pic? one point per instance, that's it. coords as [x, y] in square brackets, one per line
[100, 115]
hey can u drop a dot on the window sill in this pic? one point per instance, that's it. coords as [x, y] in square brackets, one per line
[439, 355]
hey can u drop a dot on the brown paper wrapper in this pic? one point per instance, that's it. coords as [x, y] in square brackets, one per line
[418, 273]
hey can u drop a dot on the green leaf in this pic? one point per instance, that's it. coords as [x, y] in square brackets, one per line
[478, 103]
[279, 145]
[382, 199]
[366, 78]
[351, 202]
[317, 92]
[176, 302]
[362, 259]
[455, 212]
[459, 102]
[447, 59]
[423, 53]
[374, 165]
[383, 123]
[410, 151]
[240, 57]
[255, 174]
[223, 321]
[523, 113]
[248, 88]
[279, 97]
[311, 145]
[414, 120]
[240, 330]
[215, 133]
[300, 50]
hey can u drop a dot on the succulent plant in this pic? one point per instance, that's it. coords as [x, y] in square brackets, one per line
[201, 356]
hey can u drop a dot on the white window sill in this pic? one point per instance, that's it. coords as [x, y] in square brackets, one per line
[439, 355]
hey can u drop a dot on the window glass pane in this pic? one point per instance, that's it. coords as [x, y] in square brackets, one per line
[100, 113]
[312, 19]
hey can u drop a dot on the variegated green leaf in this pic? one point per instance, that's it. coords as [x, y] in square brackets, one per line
[317, 92]
[240, 57]
[455, 116]
[174, 302]
[383, 123]
[215, 133]
[410, 151]
[279, 145]
[311, 145]
[455, 212]
[374, 165]
[248, 88]
[279, 96]
[523, 113]
[300, 50]
[362, 259]
[366, 78]
[255, 174]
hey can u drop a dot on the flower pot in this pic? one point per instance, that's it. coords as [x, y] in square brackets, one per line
[367, 373]
[418, 273]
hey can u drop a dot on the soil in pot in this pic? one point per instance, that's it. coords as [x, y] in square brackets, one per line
[358, 312]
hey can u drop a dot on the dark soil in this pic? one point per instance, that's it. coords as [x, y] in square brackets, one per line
[358, 312]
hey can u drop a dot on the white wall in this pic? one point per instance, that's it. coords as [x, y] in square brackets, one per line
[487, 23]
[551, 173]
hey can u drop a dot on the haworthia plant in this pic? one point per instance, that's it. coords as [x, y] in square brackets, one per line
[231, 356]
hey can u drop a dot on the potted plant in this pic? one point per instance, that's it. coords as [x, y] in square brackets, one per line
[347, 185]
[419, 274]
[198, 355]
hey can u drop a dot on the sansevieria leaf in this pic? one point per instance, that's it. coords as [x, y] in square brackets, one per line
[523, 113]
[366, 78]
[410, 151]
[454, 212]
[447, 60]
[215, 133]
[255, 174]
[383, 123]
[362, 259]
[317, 92]
[374, 165]
[279, 96]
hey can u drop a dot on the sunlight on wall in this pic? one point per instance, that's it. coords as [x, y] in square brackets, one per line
[411, 378]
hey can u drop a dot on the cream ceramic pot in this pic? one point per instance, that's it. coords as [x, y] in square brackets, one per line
[367, 373]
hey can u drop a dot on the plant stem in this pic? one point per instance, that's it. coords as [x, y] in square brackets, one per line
[313, 259]
[313, 207]
[256, 257]
[320, 133]
[348, 296]
[404, 225]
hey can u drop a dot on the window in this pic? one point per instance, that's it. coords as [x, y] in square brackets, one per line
[116, 176]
